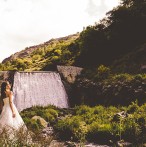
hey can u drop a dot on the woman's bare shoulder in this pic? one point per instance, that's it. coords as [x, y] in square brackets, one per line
[9, 93]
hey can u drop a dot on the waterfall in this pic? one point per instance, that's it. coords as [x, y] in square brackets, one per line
[39, 88]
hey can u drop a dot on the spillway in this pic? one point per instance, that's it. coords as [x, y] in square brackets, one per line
[39, 89]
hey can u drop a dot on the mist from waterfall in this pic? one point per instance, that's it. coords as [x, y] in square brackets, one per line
[39, 88]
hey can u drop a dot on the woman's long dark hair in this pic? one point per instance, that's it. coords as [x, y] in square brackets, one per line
[3, 89]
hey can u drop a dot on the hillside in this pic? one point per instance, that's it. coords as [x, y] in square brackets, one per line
[114, 41]
[42, 56]
[121, 32]
[28, 50]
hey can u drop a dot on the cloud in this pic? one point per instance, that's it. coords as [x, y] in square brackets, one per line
[97, 7]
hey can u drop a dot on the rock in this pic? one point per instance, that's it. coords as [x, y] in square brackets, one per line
[70, 144]
[48, 131]
[55, 143]
[69, 72]
[42, 121]
[95, 145]
[75, 144]
[122, 143]
[119, 115]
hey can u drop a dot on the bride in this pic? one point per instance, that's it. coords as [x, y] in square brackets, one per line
[10, 119]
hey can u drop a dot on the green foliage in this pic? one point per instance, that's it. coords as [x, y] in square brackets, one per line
[72, 127]
[35, 125]
[97, 132]
[81, 110]
[20, 64]
[103, 72]
[57, 52]
[133, 107]
[49, 113]
[94, 124]
[36, 57]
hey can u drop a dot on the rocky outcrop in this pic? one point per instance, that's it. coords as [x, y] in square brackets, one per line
[69, 73]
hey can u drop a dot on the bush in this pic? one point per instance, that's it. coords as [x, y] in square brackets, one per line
[131, 130]
[133, 107]
[52, 112]
[103, 72]
[71, 128]
[34, 125]
[100, 133]
[83, 109]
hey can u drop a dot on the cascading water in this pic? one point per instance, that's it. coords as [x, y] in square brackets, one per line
[39, 88]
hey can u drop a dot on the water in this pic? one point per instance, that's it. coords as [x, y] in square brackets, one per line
[39, 88]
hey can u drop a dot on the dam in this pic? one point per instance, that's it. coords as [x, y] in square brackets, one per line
[40, 88]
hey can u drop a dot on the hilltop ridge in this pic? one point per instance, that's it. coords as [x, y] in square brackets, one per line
[28, 50]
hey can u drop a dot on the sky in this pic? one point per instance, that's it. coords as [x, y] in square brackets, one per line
[25, 23]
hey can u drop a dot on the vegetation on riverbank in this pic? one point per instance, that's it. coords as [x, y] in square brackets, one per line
[97, 124]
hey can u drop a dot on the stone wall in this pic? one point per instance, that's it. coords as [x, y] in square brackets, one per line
[69, 73]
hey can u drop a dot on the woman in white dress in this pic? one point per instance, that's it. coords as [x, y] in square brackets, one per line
[10, 118]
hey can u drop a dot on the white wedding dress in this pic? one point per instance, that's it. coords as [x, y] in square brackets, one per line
[7, 122]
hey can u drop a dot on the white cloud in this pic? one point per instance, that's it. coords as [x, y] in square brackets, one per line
[30, 22]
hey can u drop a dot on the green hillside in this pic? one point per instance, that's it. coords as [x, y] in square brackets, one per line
[42, 57]
[121, 32]
[108, 42]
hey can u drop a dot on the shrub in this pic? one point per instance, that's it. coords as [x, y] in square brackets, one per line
[52, 112]
[99, 133]
[49, 118]
[81, 110]
[131, 130]
[133, 107]
[71, 128]
[98, 109]
[103, 72]
[34, 125]
[81, 132]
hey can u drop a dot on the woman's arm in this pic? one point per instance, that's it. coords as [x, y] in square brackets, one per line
[11, 103]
